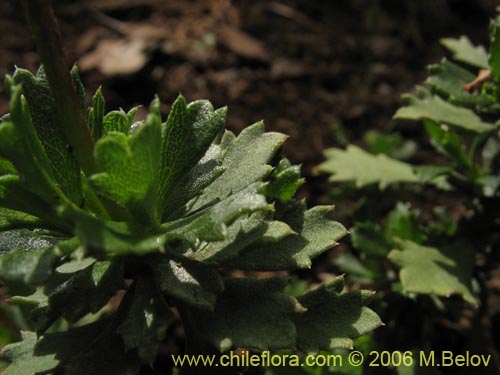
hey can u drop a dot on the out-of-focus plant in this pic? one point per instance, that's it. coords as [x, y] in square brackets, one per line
[448, 253]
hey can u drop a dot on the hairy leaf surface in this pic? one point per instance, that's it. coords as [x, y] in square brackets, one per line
[332, 319]
[261, 316]
[316, 233]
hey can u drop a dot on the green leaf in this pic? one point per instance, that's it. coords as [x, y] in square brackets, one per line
[449, 143]
[356, 165]
[246, 161]
[27, 258]
[105, 237]
[72, 296]
[440, 111]
[194, 182]
[15, 322]
[250, 313]
[429, 270]
[402, 223]
[443, 223]
[59, 351]
[169, 199]
[14, 196]
[130, 165]
[435, 174]
[463, 50]
[10, 219]
[241, 234]
[96, 115]
[368, 237]
[23, 360]
[316, 233]
[6, 167]
[489, 185]
[189, 281]
[115, 121]
[186, 136]
[285, 180]
[76, 265]
[80, 89]
[147, 320]
[211, 223]
[42, 107]
[494, 60]
[332, 319]
[380, 143]
[448, 79]
[29, 268]
[20, 144]
[358, 272]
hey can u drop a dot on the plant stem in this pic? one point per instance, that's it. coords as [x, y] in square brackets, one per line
[69, 116]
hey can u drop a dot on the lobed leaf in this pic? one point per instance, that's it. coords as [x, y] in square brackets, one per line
[169, 199]
[448, 79]
[130, 165]
[211, 224]
[463, 50]
[190, 282]
[111, 238]
[242, 234]
[354, 164]
[192, 185]
[332, 319]
[87, 348]
[74, 295]
[316, 233]
[285, 180]
[246, 161]
[20, 144]
[186, 136]
[250, 313]
[24, 361]
[436, 109]
[42, 108]
[429, 270]
[115, 121]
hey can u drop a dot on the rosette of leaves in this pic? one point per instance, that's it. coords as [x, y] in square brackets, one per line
[458, 106]
[175, 207]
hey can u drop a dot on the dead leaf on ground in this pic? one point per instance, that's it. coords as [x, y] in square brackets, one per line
[242, 43]
[116, 57]
[286, 68]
